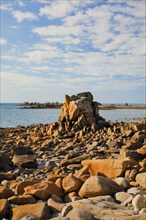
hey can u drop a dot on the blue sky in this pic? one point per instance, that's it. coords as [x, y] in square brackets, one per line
[52, 48]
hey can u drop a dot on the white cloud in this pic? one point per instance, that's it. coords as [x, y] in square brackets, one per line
[21, 3]
[14, 27]
[53, 30]
[3, 41]
[21, 16]
[89, 48]
[5, 7]
[41, 1]
[68, 40]
[40, 53]
[57, 9]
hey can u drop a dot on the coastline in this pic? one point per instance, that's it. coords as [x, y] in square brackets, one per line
[74, 166]
[59, 106]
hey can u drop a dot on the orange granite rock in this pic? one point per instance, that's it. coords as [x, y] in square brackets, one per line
[22, 200]
[3, 208]
[142, 150]
[111, 168]
[5, 192]
[71, 183]
[20, 187]
[43, 190]
[53, 177]
[38, 211]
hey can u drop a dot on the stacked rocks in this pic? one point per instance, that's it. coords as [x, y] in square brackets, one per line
[77, 112]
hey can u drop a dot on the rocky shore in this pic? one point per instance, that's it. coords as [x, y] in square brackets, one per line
[37, 105]
[79, 168]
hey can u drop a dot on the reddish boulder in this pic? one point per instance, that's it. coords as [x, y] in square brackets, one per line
[43, 190]
[38, 211]
[111, 168]
[3, 208]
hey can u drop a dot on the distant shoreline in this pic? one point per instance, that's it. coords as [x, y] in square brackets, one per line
[121, 107]
[58, 105]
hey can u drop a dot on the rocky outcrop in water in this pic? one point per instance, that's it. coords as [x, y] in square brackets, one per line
[77, 112]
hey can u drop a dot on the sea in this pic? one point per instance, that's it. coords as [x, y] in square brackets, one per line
[12, 115]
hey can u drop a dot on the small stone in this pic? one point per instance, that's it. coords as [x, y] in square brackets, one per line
[71, 183]
[141, 179]
[133, 190]
[123, 197]
[139, 202]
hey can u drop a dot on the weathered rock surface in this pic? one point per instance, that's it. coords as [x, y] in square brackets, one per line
[5, 192]
[98, 186]
[38, 211]
[4, 204]
[111, 168]
[24, 157]
[105, 210]
[22, 200]
[139, 202]
[141, 179]
[71, 183]
[77, 111]
[43, 190]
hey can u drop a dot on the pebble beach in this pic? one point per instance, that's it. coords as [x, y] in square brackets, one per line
[79, 168]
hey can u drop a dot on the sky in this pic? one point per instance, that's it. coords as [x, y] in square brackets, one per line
[51, 48]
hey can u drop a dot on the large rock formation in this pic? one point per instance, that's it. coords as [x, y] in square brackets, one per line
[78, 111]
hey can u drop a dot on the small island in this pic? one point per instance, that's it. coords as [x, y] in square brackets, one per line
[57, 105]
[37, 105]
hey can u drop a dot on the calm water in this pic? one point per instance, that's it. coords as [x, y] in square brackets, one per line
[11, 115]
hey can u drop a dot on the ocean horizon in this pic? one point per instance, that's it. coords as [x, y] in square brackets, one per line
[12, 115]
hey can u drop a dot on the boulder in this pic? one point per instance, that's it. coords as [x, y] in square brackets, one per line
[98, 186]
[22, 200]
[130, 174]
[38, 211]
[4, 204]
[80, 214]
[111, 168]
[20, 187]
[141, 179]
[123, 197]
[53, 177]
[43, 190]
[78, 111]
[5, 192]
[55, 206]
[142, 150]
[143, 163]
[71, 183]
[139, 202]
[5, 162]
[24, 157]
